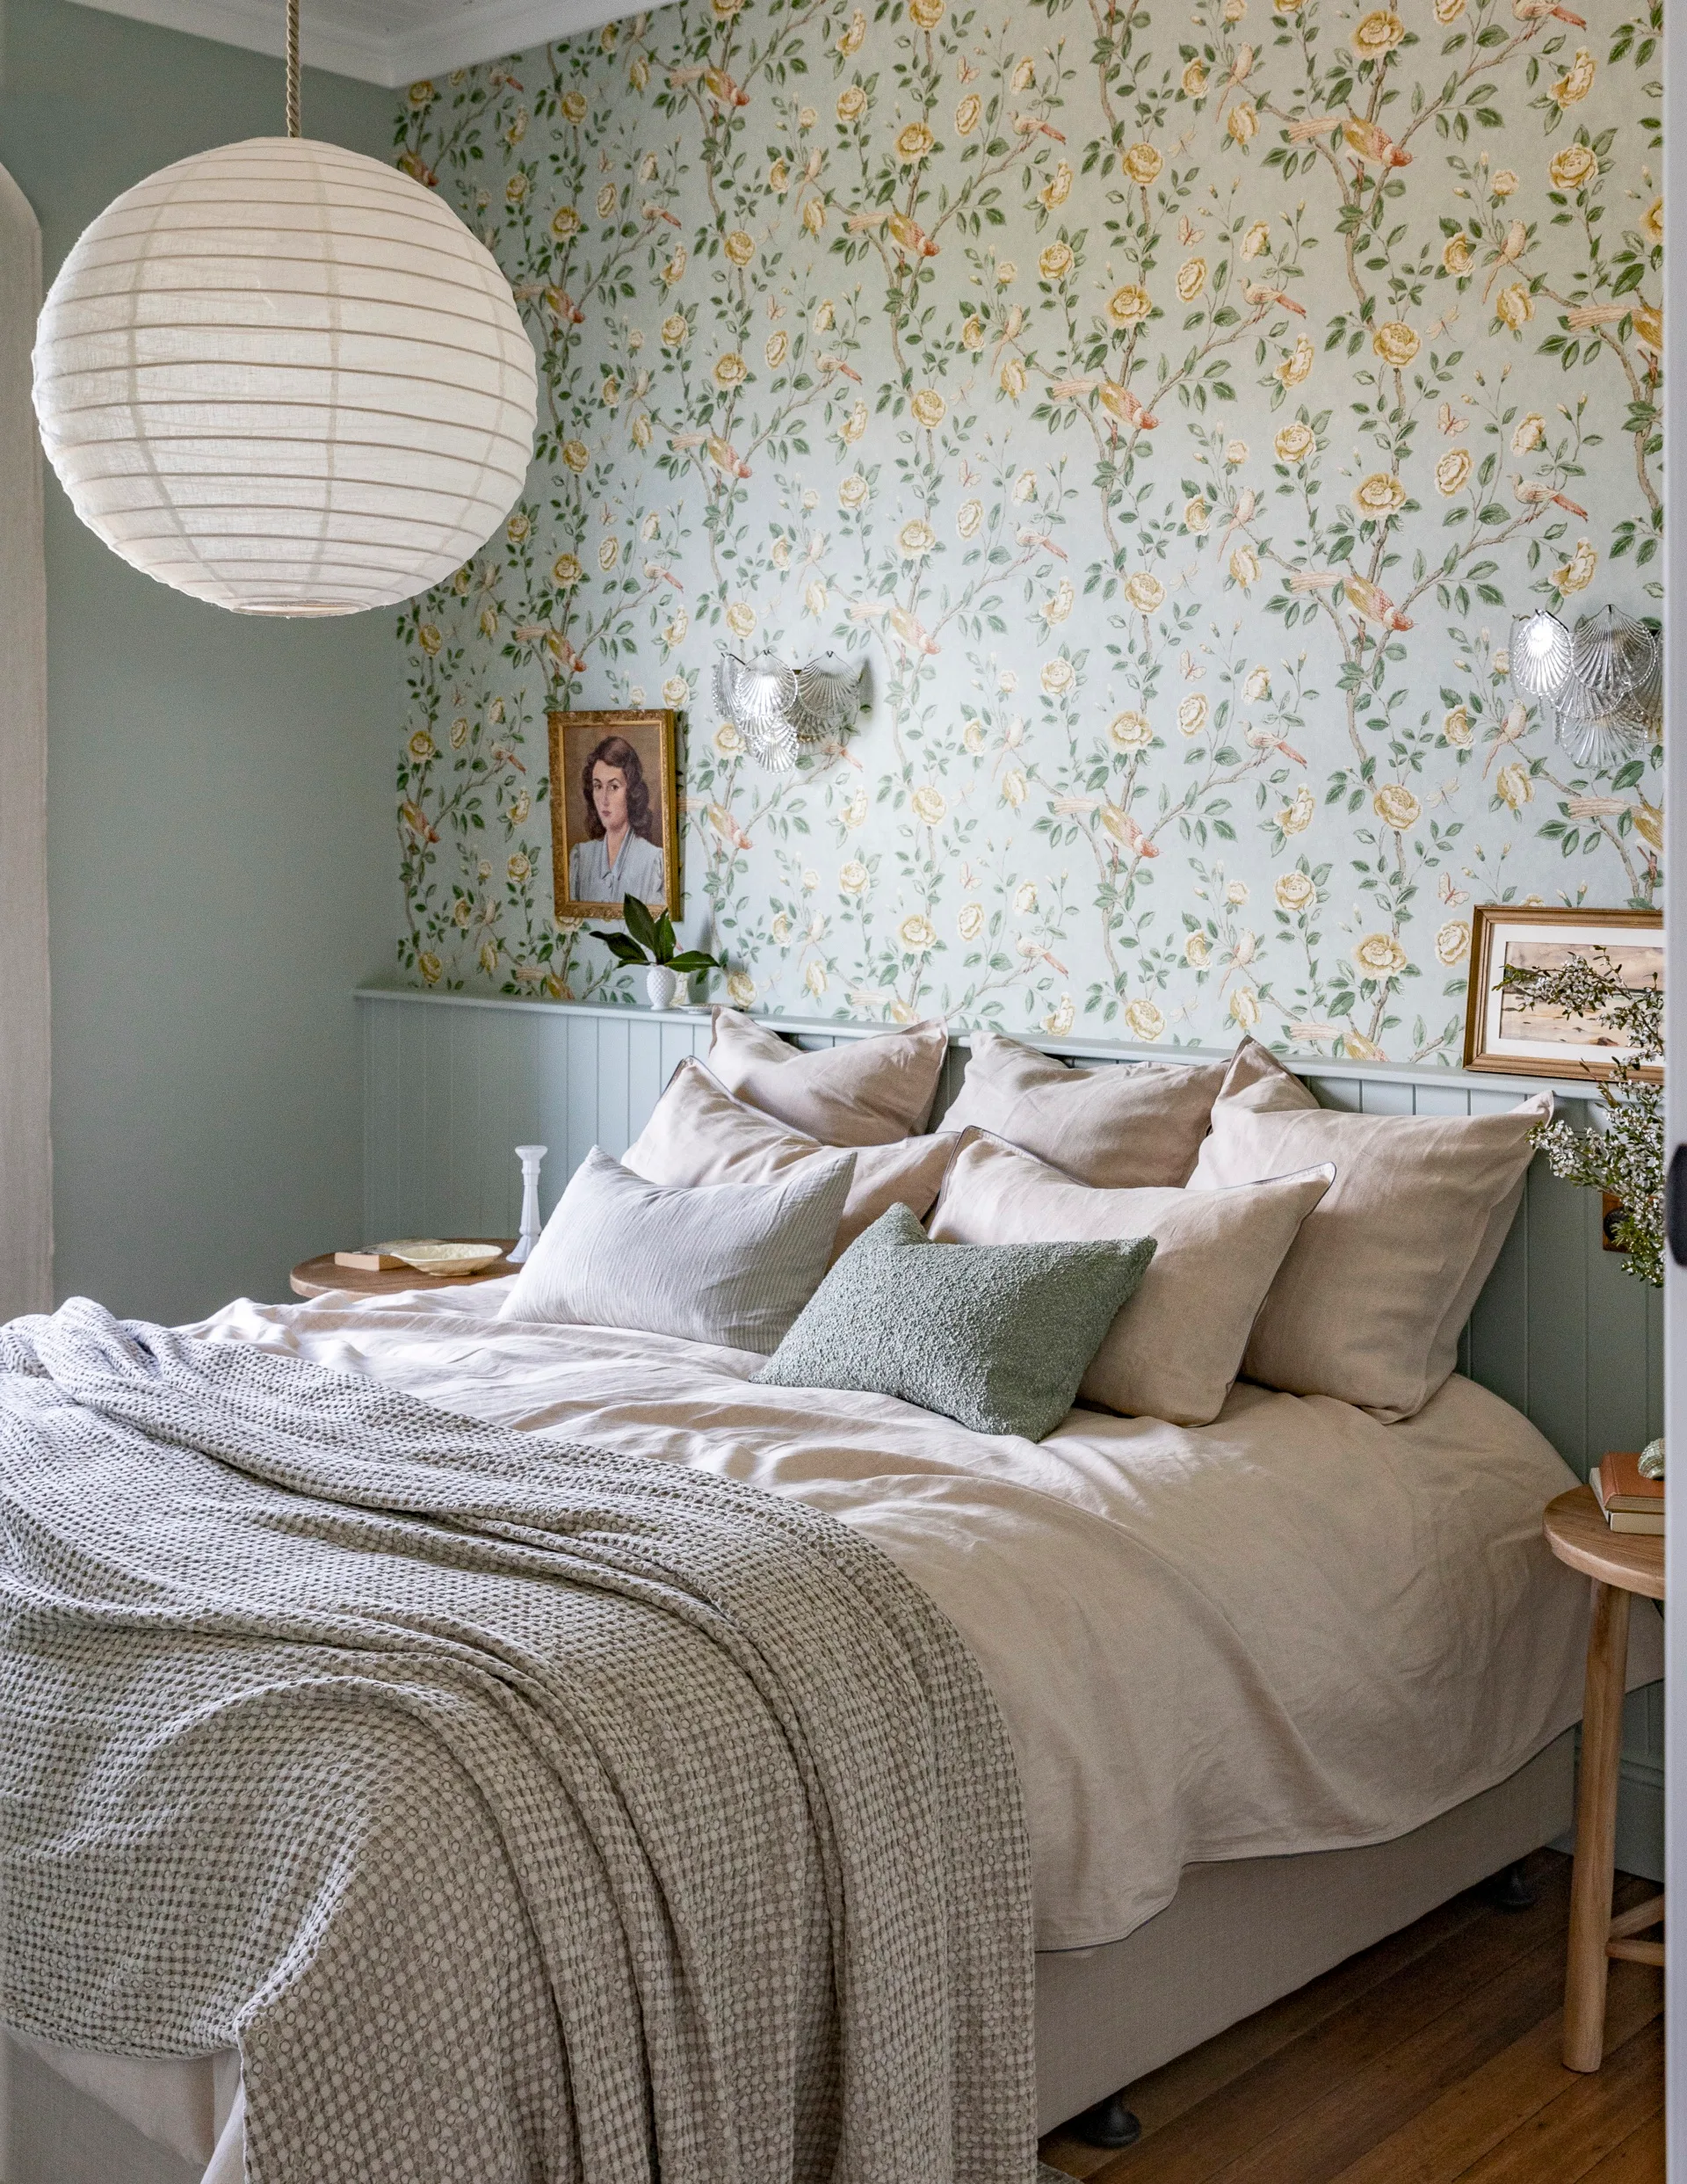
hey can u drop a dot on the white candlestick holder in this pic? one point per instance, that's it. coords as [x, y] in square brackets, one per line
[529, 1156]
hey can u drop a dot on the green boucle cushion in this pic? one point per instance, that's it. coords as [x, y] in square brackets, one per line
[995, 1335]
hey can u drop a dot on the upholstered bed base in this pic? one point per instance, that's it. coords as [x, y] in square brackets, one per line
[52, 2131]
[1237, 1937]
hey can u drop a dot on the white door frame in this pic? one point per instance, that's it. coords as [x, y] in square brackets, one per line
[26, 1143]
[1675, 896]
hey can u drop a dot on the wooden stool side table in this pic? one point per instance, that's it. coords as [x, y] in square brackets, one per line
[1620, 1564]
[317, 1277]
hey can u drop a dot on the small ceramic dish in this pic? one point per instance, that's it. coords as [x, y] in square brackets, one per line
[429, 1256]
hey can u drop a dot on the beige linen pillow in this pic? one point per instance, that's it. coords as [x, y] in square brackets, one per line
[1368, 1305]
[698, 1133]
[1119, 1127]
[862, 1092]
[1175, 1349]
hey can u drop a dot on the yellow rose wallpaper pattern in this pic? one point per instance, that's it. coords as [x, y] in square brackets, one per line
[1171, 405]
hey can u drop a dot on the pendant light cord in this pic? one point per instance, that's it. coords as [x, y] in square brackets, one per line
[293, 68]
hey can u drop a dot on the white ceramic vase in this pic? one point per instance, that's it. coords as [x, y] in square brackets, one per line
[662, 983]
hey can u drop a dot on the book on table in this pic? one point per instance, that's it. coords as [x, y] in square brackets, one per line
[1629, 1501]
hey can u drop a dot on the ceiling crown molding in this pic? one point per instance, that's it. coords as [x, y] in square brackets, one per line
[457, 38]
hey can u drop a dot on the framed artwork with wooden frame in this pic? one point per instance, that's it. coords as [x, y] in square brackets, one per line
[1504, 1032]
[614, 812]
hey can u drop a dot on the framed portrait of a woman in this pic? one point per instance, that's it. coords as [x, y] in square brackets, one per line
[614, 812]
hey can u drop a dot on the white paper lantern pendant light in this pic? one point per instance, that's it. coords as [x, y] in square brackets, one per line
[286, 377]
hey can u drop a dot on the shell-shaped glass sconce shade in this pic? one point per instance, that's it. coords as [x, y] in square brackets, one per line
[1541, 653]
[828, 693]
[777, 709]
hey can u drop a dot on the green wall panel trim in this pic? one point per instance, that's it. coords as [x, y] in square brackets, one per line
[1431, 1084]
[220, 836]
[453, 1082]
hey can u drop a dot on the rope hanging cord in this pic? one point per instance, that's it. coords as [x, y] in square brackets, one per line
[293, 68]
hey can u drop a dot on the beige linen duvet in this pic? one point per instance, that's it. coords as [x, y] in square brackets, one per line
[1292, 1629]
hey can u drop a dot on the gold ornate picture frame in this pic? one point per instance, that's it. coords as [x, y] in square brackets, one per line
[1506, 1035]
[630, 756]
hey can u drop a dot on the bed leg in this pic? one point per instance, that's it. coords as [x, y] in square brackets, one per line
[1512, 1889]
[1110, 2124]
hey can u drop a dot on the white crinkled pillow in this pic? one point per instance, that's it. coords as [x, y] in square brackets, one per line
[727, 1263]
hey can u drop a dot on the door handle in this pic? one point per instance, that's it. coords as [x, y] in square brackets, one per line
[1674, 1206]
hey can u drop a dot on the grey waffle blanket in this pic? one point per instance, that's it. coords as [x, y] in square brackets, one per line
[521, 1810]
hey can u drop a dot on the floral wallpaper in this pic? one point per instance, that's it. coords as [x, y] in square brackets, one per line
[1171, 405]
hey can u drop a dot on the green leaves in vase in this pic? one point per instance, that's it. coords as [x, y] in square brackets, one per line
[1625, 1158]
[650, 940]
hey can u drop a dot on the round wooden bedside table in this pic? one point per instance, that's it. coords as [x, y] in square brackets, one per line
[316, 1277]
[1620, 1564]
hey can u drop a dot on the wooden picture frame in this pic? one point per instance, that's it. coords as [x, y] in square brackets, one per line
[1509, 1038]
[579, 856]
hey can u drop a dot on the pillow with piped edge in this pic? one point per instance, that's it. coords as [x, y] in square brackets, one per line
[698, 1133]
[996, 1337]
[1176, 1347]
[731, 1263]
[862, 1092]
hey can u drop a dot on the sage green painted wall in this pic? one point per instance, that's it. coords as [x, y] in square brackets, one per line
[220, 828]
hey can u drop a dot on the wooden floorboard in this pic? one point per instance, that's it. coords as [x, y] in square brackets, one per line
[1640, 2158]
[1432, 2059]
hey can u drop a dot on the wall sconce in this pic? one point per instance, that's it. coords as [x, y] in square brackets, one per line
[777, 709]
[1603, 681]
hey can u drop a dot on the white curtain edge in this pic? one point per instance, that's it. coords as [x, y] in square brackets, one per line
[25, 1021]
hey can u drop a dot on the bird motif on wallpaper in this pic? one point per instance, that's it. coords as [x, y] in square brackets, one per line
[1510, 727]
[1371, 145]
[905, 231]
[910, 237]
[1127, 833]
[1534, 491]
[725, 92]
[913, 632]
[1241, 515]
[1078, 535]
[1511, 248]
[1374, 603]
[1271, 739]
[1263, 293]
[1124, 405]
[726, 458]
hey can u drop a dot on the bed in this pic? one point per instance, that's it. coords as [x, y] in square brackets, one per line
[1329, 1669]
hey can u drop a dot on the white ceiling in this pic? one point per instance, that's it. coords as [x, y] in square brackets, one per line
[381, 41]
